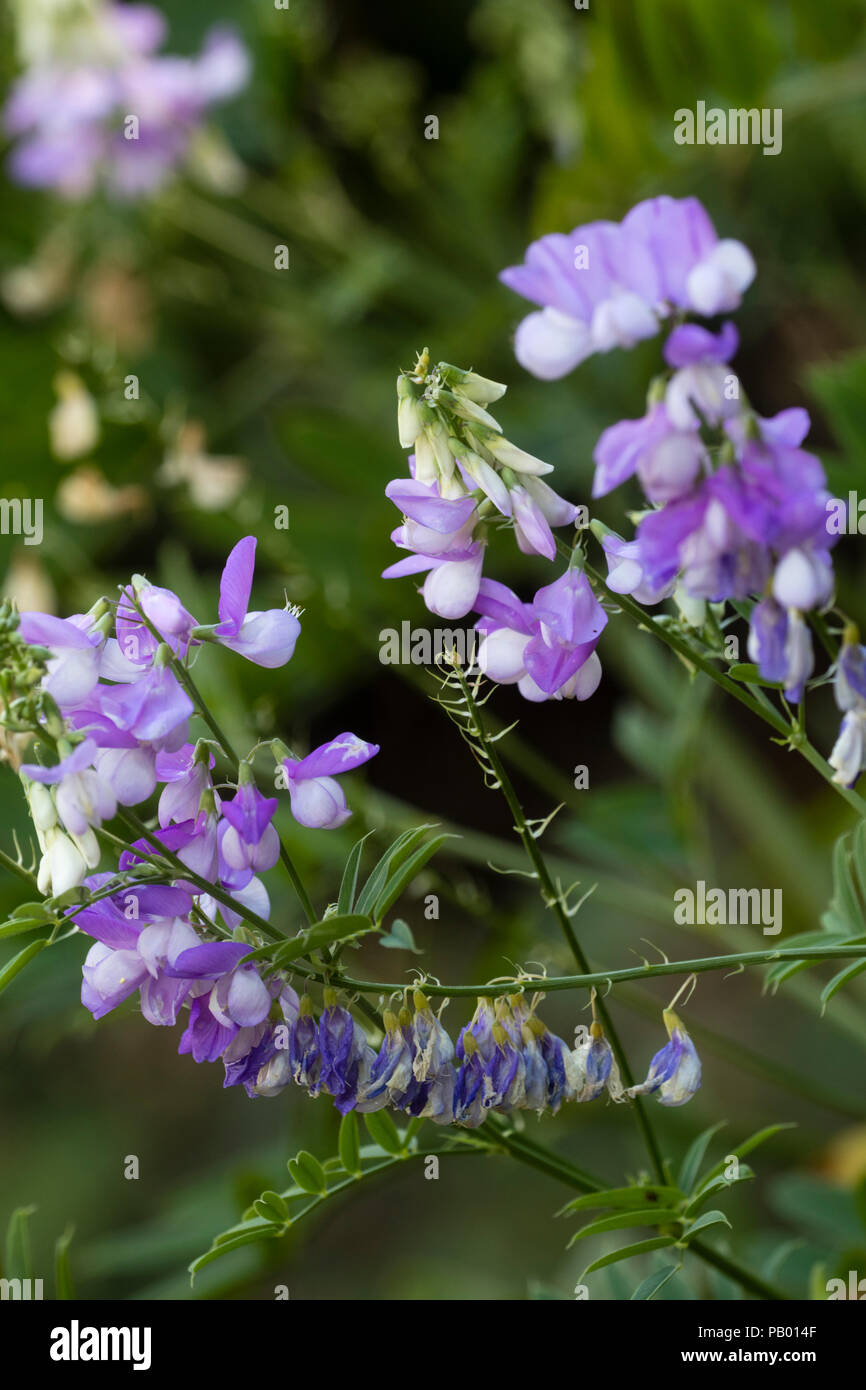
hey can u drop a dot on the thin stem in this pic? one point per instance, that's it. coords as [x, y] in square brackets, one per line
[549, 983]
[17, 869]
[182, 673]
[552, 897]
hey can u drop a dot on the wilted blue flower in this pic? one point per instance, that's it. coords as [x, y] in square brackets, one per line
[675, 1071]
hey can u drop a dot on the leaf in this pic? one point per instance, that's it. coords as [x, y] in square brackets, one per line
[336, 928]
[391, 859]
[621, 1222]
[264, 1232]
[642, 1247]
[349, 883]
[654, 1282]
[17, 963]
[17, 1261]
[16, 926]
[695, 1156]
[306, 1170]
[848, 973]
[709, 1218]
[272, 1207]
[624, 1197]
[404, 876]
[749, 674]
[717, 1185]
[759, 1137]
[63, 1288]
[384, 1132]
[348, 1143]
[400, 938]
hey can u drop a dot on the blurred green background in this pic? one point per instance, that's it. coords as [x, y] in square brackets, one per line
[262, 388]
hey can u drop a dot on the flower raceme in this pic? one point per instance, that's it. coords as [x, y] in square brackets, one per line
[463, 476]
[99, 106]
[123, 711]
[609, 284]
[737, 508]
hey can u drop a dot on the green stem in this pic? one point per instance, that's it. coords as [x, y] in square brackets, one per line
[549, 983]
[17, 869]
[552, 898]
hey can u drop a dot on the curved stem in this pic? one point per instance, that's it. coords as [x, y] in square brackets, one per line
[552, 897]
[549, 983]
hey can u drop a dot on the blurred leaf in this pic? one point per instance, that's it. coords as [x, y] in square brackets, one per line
[348, 1143]
[654, 1282]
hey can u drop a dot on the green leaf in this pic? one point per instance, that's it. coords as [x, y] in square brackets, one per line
[349, 883]
[16, 926]
[695, 1156]
[848, 973]
[625, 1198]
[759, 1137]
[666, 1216]
[330, 929]
[391, 860]
[717, 1185]
[400, 938]
[17, 1263]
[749, 674]
[17, 963]
[709, 1218]
[63, 1288]
[642, 1247]
[264, 1232]
[308, 1173]
[401, 880]
[384, 1132]
[348, 1143]
[272, 1207]
[654, 1282]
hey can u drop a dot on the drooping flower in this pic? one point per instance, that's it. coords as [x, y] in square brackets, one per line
[675, 1071]
[317, 800]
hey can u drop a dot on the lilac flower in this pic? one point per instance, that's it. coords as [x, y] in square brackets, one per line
[848, 758]
[391, 1073]
[701, 382]
[452, 560]
[610, 285]
[343, 1051]
[83, 797]
[625, 571]
[781, 646]
[317, 800]
[152, 708]
[547, 647]
[73, 667]
[71, 112]
[667, 460]
[675, 1071]
[248, 842]
[186, 776]
[265, 638]
[304, 1055]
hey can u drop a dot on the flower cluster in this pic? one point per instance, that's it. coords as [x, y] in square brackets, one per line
[107, 693]
[464, 476]
[737, 510]
[116, 709]
[100, 107]
[505, 1059]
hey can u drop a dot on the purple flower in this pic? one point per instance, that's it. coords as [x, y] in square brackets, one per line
[186, 777]
[609, 285]
[780, 644]
[675, 1071]
[73, 667]
[265, 638]
[547, 647]
[151, 709]
[72, 113]
[451, 558]
[317, 800]
[248, 842]
[625, 571]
